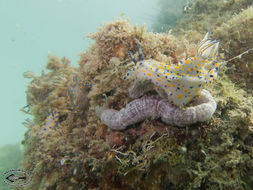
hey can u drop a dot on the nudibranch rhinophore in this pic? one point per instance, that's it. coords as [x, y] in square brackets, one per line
[182, 83]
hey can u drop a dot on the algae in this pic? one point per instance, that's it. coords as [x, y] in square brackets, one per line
[232, 23]
[82, 153]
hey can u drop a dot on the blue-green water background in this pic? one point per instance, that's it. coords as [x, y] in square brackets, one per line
[30, 29]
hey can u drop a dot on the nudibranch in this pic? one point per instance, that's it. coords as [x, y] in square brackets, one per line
[46, 127]
[77, 89]
[182, 84]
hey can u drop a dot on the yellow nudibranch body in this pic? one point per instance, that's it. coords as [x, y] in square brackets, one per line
[184, 81]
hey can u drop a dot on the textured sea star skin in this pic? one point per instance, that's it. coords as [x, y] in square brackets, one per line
[155, 107]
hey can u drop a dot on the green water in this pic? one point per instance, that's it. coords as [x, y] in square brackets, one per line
[31, 29]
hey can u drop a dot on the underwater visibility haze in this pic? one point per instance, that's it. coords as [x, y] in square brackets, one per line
[139, 94]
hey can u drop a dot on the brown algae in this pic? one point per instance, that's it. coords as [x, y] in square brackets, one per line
[82, 153]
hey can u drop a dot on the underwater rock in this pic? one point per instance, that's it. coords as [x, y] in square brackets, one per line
[82, 153]
[236, 36]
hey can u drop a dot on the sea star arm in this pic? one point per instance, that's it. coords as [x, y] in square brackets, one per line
[155, 107]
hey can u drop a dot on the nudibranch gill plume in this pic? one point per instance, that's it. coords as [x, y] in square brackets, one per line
[184, 81]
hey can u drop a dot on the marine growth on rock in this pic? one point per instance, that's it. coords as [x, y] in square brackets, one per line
[180, 83]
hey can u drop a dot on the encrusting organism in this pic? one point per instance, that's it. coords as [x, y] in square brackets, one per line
[181, 84]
